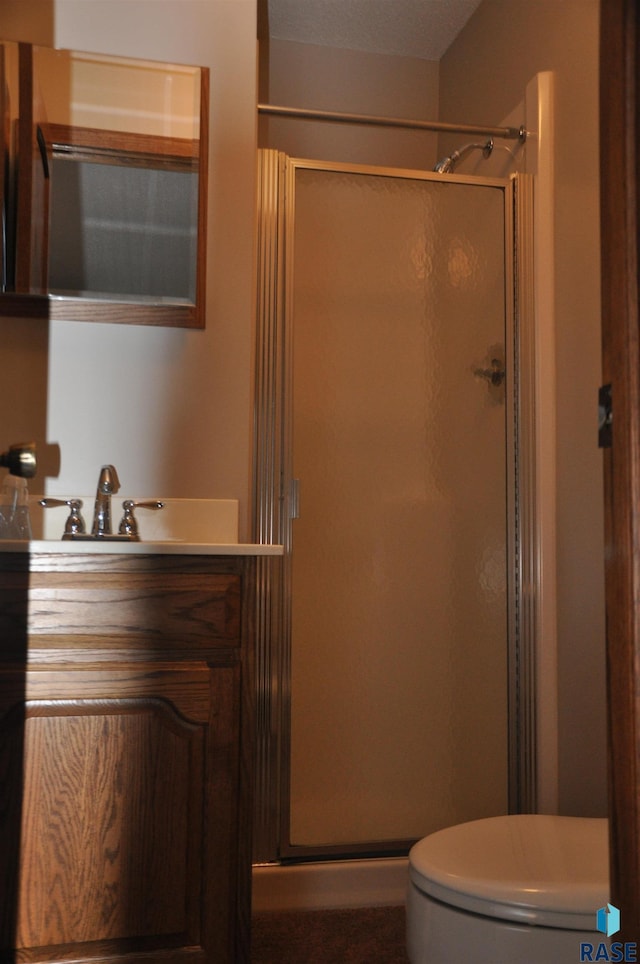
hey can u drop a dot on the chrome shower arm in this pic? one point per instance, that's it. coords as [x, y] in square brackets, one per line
[447, 164]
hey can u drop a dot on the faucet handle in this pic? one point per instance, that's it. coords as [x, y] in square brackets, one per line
[75, 524]
[129, 525]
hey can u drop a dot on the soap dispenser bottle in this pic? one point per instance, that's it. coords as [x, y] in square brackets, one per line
[15, 522]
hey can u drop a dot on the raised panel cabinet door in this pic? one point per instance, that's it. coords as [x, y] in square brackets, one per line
[118, 830]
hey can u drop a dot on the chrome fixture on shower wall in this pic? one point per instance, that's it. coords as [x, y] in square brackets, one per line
[494, 375]
[447, 164]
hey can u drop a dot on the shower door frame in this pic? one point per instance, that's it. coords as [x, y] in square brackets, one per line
[275, 498]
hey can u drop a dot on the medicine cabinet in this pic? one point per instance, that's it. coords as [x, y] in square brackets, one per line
[104, 192]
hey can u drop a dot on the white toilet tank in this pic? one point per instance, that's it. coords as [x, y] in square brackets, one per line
[518, 889]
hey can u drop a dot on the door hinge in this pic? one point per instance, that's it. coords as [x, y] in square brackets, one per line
[605, 417]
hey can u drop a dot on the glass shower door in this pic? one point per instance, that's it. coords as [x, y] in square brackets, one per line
[399, 406]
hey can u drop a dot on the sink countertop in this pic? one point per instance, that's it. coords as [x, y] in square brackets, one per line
[198, 521]
[202, 527]
[169, 547]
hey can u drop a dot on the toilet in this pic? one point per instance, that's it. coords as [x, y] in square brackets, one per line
[517, 889]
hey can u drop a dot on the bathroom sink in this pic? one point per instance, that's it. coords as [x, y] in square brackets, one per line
[193, 521]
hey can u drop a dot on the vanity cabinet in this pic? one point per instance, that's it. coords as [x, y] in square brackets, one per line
[125, 758]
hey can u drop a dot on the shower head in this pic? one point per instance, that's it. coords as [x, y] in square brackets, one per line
[447, 164]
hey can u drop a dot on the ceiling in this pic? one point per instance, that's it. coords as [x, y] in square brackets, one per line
[407, 28]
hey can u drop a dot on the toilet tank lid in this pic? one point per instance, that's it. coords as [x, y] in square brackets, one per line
[530, 867]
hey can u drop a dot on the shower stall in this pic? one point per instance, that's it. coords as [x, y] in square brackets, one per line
[394, 460]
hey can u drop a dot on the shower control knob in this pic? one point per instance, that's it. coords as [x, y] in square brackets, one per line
[494, 375]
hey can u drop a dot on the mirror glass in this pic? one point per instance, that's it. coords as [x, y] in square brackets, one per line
[105, 199]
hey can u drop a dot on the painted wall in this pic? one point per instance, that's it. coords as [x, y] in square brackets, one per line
[481, 75]
[349, 81]
[481, 79]
[171, 409]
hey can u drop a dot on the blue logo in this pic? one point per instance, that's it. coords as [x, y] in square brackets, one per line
[608, 920]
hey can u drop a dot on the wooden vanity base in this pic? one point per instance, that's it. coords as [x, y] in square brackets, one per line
[125, 739]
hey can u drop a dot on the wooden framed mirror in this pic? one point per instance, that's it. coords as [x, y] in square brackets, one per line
[106, 175]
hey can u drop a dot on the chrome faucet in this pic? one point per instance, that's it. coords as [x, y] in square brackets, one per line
[108, 483]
